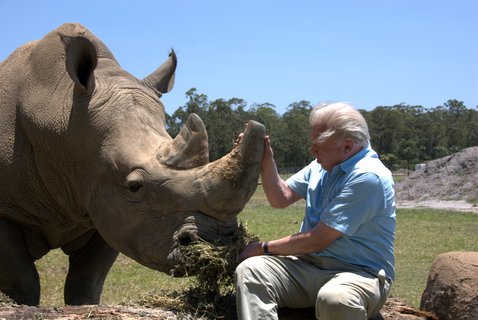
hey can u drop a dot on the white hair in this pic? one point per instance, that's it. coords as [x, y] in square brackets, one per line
[341, 121]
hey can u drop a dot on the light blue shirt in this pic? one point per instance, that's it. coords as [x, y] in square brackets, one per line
[356, 198]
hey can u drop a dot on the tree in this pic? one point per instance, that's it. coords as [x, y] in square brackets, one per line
[197, 104]
[294, 147]
[399, 132]
[408, 151]
[223, 125]
[390, 160]
[386, 127]
[432, 133]
[471, 123]
[456, 129]
[266, 114]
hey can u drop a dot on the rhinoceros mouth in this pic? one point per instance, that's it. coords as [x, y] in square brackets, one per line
[197, 228]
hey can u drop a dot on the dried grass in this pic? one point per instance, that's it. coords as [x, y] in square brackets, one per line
[5, 300]
[213, 264]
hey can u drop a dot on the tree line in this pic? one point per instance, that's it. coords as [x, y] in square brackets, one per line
[403, 135]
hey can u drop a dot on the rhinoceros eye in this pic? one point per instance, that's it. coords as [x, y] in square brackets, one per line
[134, 186]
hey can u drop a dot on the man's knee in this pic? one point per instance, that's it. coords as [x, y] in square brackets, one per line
[248, 270]
[257, 274]
[241, 272]
[337, 303]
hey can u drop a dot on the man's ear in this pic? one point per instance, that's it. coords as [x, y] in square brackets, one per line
[349, 146]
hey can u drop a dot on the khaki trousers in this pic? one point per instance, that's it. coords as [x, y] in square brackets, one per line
[337, 290]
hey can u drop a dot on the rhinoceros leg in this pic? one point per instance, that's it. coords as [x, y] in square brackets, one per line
[18, 275]
[87, 272]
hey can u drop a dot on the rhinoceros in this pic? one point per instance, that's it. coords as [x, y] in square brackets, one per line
[86, 165]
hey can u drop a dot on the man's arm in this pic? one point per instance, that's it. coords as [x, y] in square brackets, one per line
[315, 240]
[278, 193]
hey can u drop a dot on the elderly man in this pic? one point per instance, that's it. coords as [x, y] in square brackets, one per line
[342, 260]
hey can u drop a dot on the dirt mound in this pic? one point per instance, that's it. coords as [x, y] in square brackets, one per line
[453, 178]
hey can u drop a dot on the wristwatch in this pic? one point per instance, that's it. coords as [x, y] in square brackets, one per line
[265, 247]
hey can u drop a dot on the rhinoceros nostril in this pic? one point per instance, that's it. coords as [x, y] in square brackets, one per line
[184, 240]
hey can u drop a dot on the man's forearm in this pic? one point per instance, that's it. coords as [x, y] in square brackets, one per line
[274, 187]
[315, 240]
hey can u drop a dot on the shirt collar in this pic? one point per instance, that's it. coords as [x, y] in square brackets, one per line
[348, 164]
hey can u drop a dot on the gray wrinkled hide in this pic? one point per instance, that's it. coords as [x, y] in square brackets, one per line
[86, 165]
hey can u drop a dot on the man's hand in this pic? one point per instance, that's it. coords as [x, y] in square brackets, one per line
[268, 155]
[251, 250]
[239, 137]
[238, 140]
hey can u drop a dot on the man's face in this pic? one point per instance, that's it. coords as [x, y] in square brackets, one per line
[330, 152]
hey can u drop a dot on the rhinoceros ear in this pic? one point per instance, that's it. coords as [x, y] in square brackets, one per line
[81, 60]
[162, 79]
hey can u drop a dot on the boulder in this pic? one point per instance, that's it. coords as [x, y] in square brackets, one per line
[452, 287]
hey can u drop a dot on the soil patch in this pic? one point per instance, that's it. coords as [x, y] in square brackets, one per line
[394, 309]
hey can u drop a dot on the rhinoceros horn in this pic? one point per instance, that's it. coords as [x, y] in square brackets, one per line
[162, 79]
[190, 147]
[221, 188]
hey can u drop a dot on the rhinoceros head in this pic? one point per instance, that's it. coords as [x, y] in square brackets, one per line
[145, 192]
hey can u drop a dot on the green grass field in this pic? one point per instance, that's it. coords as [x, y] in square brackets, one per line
[421, 236]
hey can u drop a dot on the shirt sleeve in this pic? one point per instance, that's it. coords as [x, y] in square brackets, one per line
[299, 182]
[361, 198]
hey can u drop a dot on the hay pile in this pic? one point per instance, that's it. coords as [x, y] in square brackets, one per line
[213, 264]
[5, 300]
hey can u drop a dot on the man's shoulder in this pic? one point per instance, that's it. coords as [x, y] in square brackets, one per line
[312, 169]
[371, 163]
[371, 169]
[307, 173]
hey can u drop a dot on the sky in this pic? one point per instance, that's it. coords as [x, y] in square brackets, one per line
[368, 53]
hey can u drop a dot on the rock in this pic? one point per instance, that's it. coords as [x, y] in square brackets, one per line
[452, 287]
